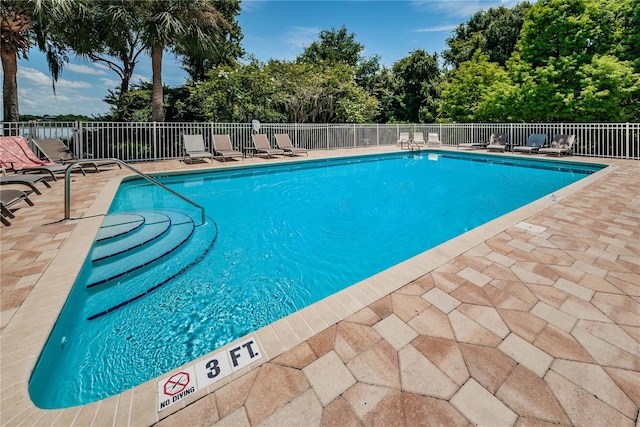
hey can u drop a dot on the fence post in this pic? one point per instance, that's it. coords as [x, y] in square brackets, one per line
[327, 134]
[628, 142]
[355, 137]
[78, 146]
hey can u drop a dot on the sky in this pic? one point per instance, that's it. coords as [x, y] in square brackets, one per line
[272, 29]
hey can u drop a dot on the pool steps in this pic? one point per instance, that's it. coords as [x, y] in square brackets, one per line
[116, 225]
[111, 266]
[152, 226]
[127, 266]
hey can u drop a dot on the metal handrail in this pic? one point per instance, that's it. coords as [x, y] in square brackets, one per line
[67, 191]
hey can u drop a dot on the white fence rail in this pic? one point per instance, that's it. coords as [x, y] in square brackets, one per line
[148, 141]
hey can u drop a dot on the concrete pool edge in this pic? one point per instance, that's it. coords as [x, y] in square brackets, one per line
[59, 274]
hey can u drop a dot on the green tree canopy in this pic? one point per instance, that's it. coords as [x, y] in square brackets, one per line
[494, 32]
[559, 64]
[283, 91]
[416, 80]
[333, 47]
[469, 94]
[41, 23]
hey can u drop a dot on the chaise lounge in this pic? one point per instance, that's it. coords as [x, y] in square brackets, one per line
[9, 198]
[16, 155]
[478, 145]
[56, 151]
[560, 145]
[433, 139]
[284, 143]
[534, 143]
[27, 180]
[498, 142]
[403, 139]
[262, 145]
[194, 148]
[222, 147]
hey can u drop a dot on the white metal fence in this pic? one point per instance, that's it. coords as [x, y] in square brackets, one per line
[148, 141]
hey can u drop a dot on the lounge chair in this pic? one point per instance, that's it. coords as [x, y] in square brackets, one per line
[16, 155]
[476, 145]
[403, 139]
[9, 198]
[57, 152]
[28, 180]
[534, 143]
[262, 146]
[560, 144]
[433, 139]
[498, 142]
[418, 139]
[194, 148]
[222, 147]
[284, 143]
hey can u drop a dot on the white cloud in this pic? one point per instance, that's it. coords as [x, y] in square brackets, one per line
[250, 5]
[438, 29]
[72, 84]
[301, 37]
[34, 76]
[109, 83]
[85, 69]
[138, 78]
[39, 78]
[36, 96]
[461, 8]
[40, 101]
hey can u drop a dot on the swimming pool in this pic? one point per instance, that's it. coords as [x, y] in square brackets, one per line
[286, 236]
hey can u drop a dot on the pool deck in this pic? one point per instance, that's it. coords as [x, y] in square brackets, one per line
[530, 320]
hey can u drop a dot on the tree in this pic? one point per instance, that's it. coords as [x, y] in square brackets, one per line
[610, 89]
[28, 23]
[236, 93]
[191, 28]
[334, 46]
[113, 37]
[416, 79]
[561, 65]
[494, 32]
[227, 49]
[468, 91]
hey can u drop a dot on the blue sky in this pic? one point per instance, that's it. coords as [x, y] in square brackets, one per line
[272, 29]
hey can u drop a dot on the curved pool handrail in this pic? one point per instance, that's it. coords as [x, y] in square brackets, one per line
[67, 190]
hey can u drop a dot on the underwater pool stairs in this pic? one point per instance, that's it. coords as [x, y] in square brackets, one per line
[130, 256]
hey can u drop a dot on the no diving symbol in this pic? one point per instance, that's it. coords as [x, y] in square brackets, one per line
[176, 383]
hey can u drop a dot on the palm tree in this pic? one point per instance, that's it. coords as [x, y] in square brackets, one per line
[27, 23]
[192, 27]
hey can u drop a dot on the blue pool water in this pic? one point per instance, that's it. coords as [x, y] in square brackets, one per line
[277, 238]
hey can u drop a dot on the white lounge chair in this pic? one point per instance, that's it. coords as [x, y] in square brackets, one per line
[418, 139]
[403, 139]
[433, 139]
